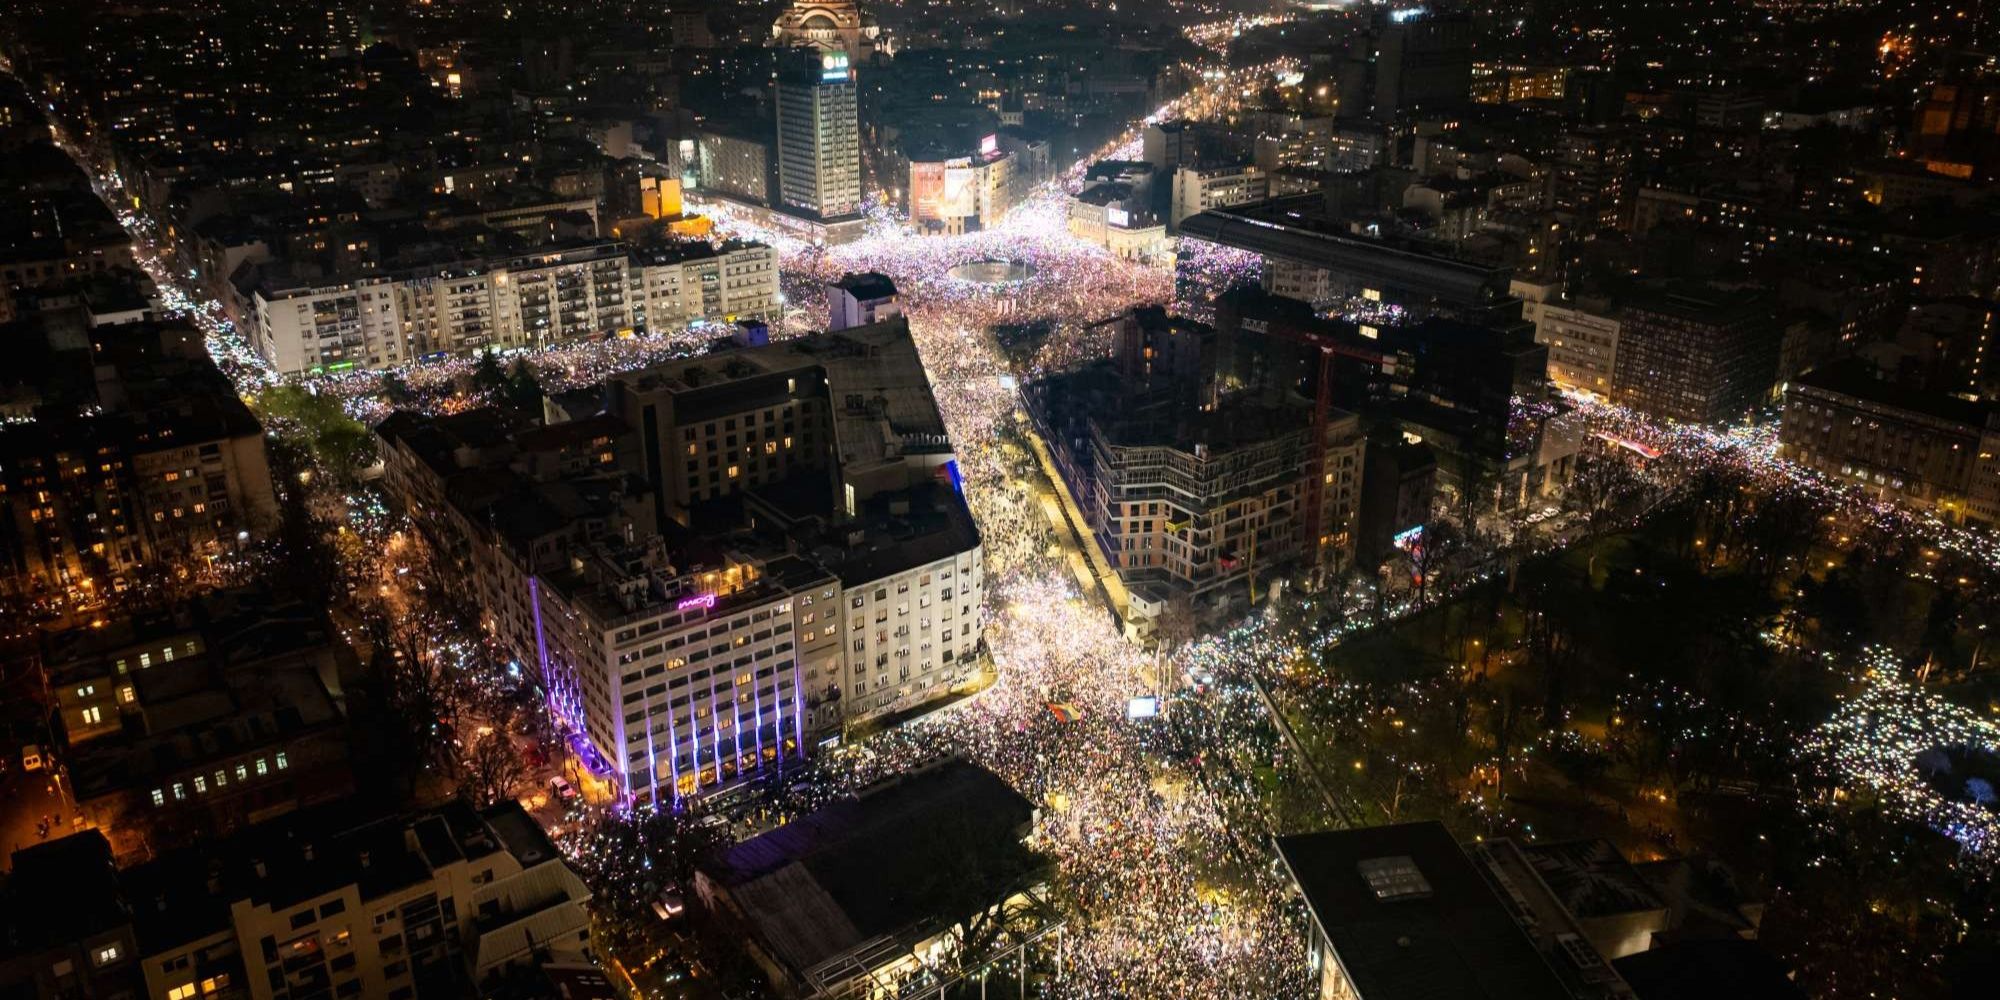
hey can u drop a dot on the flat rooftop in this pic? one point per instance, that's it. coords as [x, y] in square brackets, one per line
[880, 863]
[1411, 918]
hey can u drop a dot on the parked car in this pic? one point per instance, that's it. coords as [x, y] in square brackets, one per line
[563, 789]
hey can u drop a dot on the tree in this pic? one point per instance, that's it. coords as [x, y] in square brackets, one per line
[1780, 528]
[421, 692]
[523, 390]
[1598, 491]
[1477, 493]
[1437, 545]
[493, 769]
[309, 563]
[487, 375]
[339, 444]
[396, 390]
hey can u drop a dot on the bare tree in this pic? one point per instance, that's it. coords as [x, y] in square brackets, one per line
[1598, 491]
[1436, 547]
[493, 769]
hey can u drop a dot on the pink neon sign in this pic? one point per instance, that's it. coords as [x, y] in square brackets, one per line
[703, 601]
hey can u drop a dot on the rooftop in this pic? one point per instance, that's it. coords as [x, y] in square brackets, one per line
[1857, 379]
[867, 285]
[1410, 918]
[910, 855]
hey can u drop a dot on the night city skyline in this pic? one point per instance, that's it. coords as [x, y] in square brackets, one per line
[876, 500]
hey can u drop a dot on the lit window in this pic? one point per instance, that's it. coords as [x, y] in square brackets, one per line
[221, 778]
[181, 992]
[282, 762]
[145, 660]
[93, 715]
[159, 797]
[262, 768]
[180, 791]
[732, 472]
[167, 654]
[200, 784]
[126, 694]
[219, 981]
[242, 772]
[107, 954]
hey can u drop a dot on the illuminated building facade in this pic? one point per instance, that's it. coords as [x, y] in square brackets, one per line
[742, 554]
[962, 194]
[1929, 450]
[831, 26]
[1695, 355]
[819, 145]
[1583, 345]
[303, 324]
[161, 470]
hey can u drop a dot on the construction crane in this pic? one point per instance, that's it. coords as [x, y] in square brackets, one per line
[1327, 346]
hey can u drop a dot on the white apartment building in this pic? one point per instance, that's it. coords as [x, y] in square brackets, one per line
[683, 682]
[307, 906]
[599, 289]
[682, 663]
[1582, 343]
[910, 635]
[1198, 190]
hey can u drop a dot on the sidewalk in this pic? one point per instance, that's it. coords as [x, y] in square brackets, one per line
[1071, 526]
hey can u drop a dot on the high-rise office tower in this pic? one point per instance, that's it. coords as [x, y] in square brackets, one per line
[819, 148]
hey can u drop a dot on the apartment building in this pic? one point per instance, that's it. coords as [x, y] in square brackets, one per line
[1198, 189]
[681, 679]
[341, 900]
[1695, 354]
[837, 440]
[1582, 339]
[198, 721]
[1929, 450]
[743, 553]
[302, 323]
[734, 164]
[161, 467]
[1191, 493]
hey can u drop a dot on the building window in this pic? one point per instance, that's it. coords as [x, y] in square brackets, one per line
[159, 797]
[93, 715]
[106, 955]
[282, 762]
[180, 792]
[181, 992]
